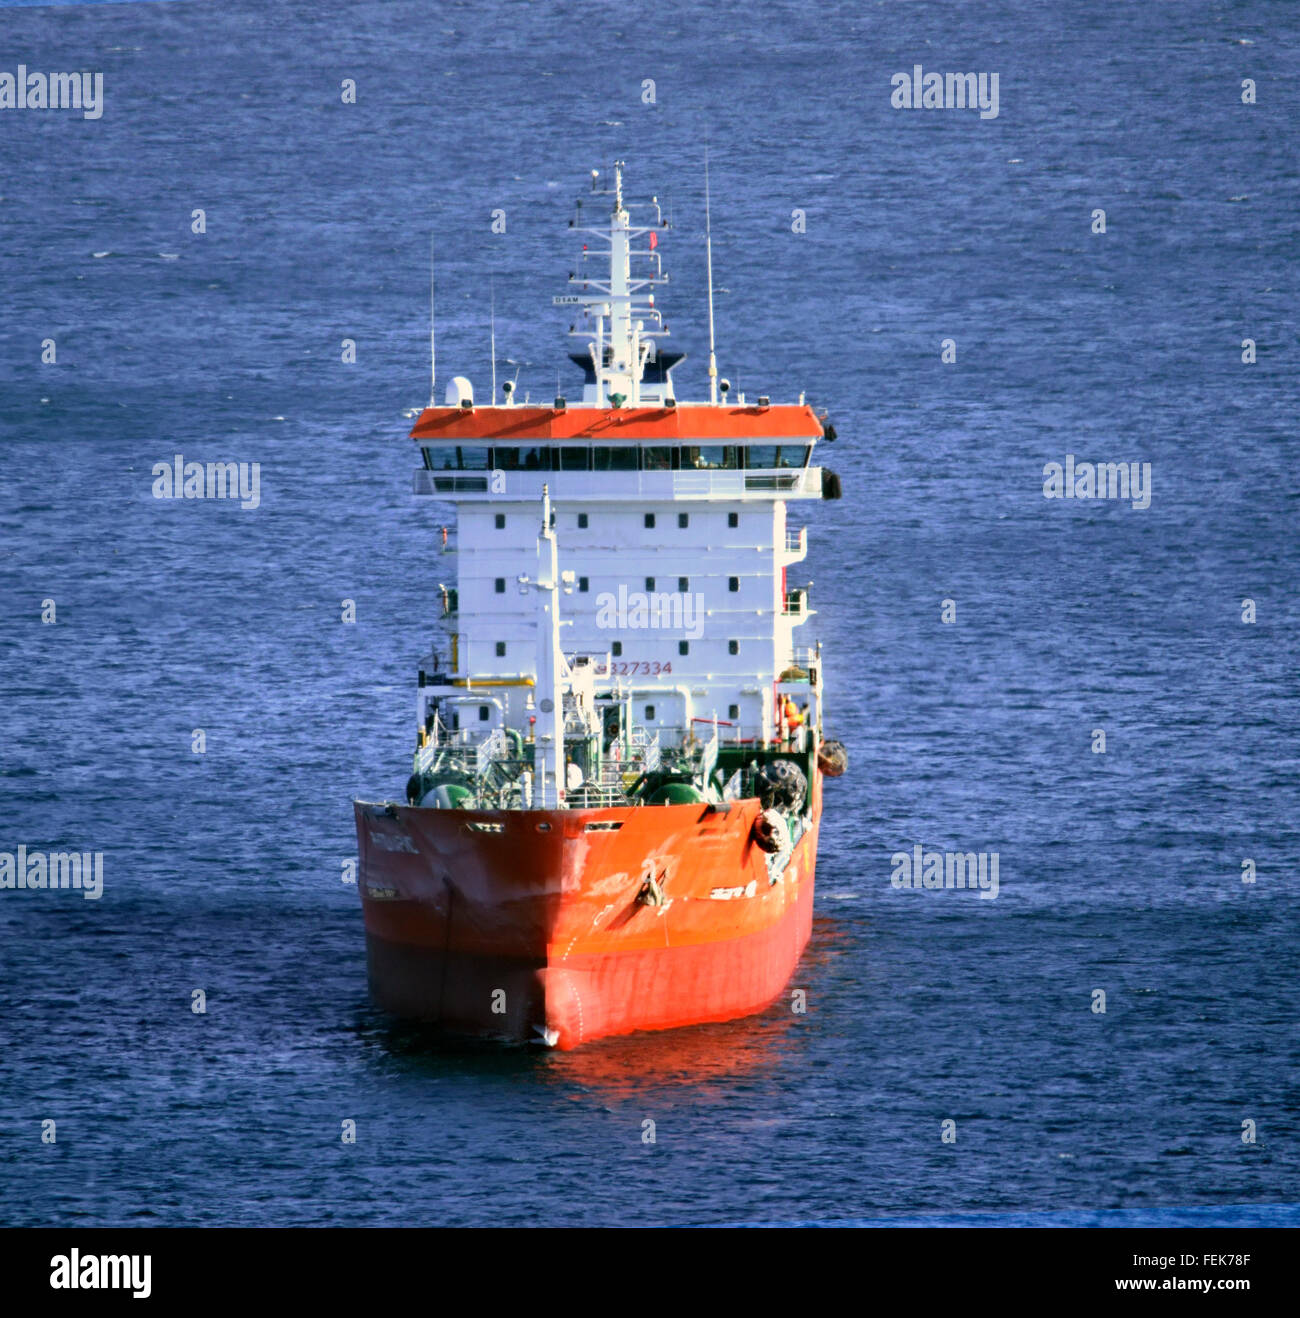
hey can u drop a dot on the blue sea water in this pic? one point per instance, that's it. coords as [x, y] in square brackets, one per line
[1119, 872]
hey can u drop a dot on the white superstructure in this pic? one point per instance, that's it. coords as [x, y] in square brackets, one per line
[630, 553]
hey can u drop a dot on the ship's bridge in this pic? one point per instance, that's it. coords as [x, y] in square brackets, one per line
[687, 451]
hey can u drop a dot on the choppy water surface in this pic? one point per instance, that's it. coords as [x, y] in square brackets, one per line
[1119, 872]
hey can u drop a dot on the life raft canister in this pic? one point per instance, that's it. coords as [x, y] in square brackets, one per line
[771, 833]
[832, 758]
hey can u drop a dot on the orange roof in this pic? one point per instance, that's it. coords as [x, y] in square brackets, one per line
[690, 423]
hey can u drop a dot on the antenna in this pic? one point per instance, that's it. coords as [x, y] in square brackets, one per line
[433, 349]
[492, 295]
[708, 249]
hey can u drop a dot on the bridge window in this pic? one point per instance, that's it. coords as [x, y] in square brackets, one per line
[658, 459]
[449, 457]
[767, 456]
[521, 459]
[719, 457]
[609, 458]
[571, 458]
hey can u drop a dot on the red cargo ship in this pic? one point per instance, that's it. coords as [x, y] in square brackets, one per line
[611, 823]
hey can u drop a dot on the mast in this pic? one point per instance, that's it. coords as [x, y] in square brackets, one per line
[433, 347]
[617, 305]
[492, 302]
[548, 749]
[708, 256]
[620, 321]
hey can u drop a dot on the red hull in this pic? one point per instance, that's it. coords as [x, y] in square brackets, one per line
[533, 925]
